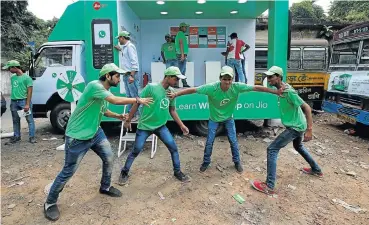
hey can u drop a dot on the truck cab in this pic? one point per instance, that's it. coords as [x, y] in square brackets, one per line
[51, 60]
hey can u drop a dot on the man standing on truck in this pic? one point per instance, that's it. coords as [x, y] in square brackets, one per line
[181, 44]
[153, 120]
[296, 116]
[21, 94]
[222, 97]
[235, 48]
[130, 64]
[84, 132]
[168, 52]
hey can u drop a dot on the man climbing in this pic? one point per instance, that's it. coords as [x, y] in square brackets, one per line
[84, 133]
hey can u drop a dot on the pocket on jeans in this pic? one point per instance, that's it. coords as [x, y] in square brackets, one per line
[71, 142]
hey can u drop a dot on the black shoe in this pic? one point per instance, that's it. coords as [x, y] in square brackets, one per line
[238, 167]
[112, 192]
[123, 178]
[32, 140]
[186, 86]
[181, 176]
[52, 213]
[13, 140]
[203, 167]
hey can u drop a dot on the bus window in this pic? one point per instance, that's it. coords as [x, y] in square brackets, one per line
[344, 56]
[261, 58]
[295, 59]
[364, 59]
[314, 58]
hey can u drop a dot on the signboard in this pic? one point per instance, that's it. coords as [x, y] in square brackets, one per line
[203, 37]
[350, 82]
[352, 31]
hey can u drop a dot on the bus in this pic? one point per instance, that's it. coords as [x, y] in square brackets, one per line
[348, 88]
[307, 68]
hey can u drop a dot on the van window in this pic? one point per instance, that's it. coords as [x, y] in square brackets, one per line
[314, 58]
[53, 57]
[345, 53]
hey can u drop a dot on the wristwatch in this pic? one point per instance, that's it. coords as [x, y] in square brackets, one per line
[137, 99]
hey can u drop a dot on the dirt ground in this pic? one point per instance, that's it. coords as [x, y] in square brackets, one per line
[208, 198]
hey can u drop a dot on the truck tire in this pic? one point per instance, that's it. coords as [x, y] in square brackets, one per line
[201, 128]
[57, 114]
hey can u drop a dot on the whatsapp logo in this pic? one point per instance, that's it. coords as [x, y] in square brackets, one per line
[164, 103]
[102, 34]
[224, 101]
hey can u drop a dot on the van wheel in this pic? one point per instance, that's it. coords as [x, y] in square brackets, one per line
[57, 115]
[201, 128]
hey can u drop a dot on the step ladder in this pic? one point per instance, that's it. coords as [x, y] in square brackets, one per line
[131, 137]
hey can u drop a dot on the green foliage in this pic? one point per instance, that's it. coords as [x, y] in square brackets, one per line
[18, 27]
[349, 11]
[307, 11]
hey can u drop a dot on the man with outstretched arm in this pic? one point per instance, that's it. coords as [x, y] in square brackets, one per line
[296, 117]
[153, 120]
[222, 97]
[84, 133]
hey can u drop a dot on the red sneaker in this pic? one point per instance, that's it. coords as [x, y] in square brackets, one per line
[311, 172]
[262, 187]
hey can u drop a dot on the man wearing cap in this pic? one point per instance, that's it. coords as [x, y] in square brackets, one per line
[296, 117]
[168, 52]
[153, 120]
[84, 132]
[222, 97]
[130, 64]
[20, 98]
[234, 49]
[181, 44]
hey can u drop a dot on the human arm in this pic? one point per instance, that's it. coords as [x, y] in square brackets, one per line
[173, 113]
[268, 90]
[125, 101]
[162, 54]
[187, 91]
[111, 114]
[29, 84]
[309, 119]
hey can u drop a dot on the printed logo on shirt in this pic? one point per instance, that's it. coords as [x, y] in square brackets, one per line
[164, 103]
[170, 48]
[224, 101]
[15, 84]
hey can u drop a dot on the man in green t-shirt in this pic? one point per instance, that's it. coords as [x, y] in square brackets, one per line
[153, 120]
[21, 94]
[84, 133]
[168, 52]
[222, 97]
[182, 50]
[296, 117]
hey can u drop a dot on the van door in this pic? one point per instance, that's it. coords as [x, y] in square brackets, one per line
[51, 62]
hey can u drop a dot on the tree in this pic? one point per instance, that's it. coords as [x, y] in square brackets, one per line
[349, 11]
[18, 27]
[306, 11]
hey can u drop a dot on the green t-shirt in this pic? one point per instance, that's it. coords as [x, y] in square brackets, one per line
[181, 36]
[20, 84]
[222, 103]
[157, 114]
[291, 113]
[85, 120]
[169, 50]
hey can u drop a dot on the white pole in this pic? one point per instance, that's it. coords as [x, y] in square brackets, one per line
[73, 106]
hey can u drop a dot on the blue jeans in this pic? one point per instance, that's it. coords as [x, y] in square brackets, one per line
[16, 105]
[182, 67]
[237, 66]
[75, 150]
[232, 138]
[165, 136]
[281, 141]
[131, 90]
[171, 62]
